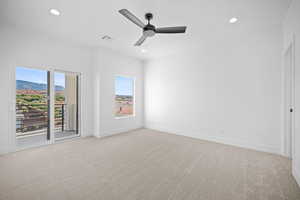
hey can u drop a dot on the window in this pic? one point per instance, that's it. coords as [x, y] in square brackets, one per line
[124, 96]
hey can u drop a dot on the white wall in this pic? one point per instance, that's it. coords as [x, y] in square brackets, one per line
[106, 65]
[292, 29]
[226, 91]
[28, 49]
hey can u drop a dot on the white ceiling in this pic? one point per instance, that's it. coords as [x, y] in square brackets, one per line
[86, 21]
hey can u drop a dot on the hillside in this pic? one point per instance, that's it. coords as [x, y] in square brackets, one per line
[27, 85]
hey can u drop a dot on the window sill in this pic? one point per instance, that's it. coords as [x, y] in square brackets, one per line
[125, 117]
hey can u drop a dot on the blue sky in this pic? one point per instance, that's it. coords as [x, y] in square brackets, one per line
[124, 85]
[38, 76]
[59, 79]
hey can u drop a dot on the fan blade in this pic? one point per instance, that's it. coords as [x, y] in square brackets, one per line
[132, 17]
[140, 41]
[176, 29]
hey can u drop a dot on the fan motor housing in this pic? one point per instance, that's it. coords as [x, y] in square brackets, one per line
[149, 30]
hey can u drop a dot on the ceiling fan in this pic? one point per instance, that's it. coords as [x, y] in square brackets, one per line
[148, 29]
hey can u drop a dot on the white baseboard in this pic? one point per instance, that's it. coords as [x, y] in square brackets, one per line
[296, 175]
[117, 131]
[87, 133]
[211, 137]
[5, 149]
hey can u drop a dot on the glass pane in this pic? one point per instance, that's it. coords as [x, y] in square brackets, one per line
[31, 106]
[66, 105]
[124, 96]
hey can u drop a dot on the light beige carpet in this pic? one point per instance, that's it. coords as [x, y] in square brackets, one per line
[143, 165]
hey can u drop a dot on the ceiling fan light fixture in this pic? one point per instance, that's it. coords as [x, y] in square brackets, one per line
[149, 33]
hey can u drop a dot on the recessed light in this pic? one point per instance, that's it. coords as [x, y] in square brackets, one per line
[55, 12]
[143, 50]
[233, 20]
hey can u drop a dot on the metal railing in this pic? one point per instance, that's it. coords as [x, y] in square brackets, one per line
[33, 119]
[60, 113]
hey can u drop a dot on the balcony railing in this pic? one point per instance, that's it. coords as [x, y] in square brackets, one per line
[33, 119]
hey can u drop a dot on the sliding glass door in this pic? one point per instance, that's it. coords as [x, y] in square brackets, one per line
[35, 112]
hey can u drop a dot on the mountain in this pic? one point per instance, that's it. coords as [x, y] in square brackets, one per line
[27, 85]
